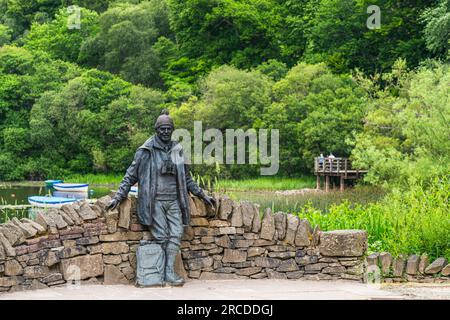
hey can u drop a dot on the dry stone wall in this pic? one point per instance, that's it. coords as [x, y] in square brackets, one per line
[85, 242]
[383, 267]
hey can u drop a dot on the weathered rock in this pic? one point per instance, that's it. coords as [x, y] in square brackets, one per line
[53, 277]
[255, 251]
[268, 225]
[223, 241]
[227, 230]
[199, 222]
[412, 264]
[9, 250]
[87, 240]
[3, 254]
[14, 235]
[26, 229]
[256, 223]
[385, 260]
[303, 236]
[295, 274]
[334, 269]
[271, 274]
[424, 262]
[207, 239]
[72, 213]
[282, 255]
[231, 255]
[372, 260]
[125, 214]
[280, 224]
[13, 268]
[54, 219]
[66, 217]
[112, 259]
[247, 215]
[50, 258]
[267, 262]
[260, 275]
[103, 202]
[71, 252]
[446, 270]
[248, 271]
[315, 267]
[225, 208]
[292, 225]
[8, 281]
[113, 275]
[236, 216]
[343, 243]
[200, 207]
[35, 272]
[85, 211]
[218, 223]
[288, 265]
[225, 270]
[194, 254]
[356, 270]
[121, 236]
[243, 243]
[82, 267]
[218, 276]
[263, 242]
[114, 248]
[316, 236]
[199, 263]
[40, 229]
[436, 266]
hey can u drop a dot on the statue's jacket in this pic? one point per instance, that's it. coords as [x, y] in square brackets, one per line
[143, 170]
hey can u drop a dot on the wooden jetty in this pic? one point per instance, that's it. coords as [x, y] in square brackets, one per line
[335, 167]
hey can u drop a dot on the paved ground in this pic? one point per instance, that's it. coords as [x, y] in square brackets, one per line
[247, 289]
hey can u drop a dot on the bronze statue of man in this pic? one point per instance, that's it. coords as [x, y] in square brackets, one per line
[164, 183]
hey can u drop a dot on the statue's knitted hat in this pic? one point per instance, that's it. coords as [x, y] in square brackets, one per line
[164, 119]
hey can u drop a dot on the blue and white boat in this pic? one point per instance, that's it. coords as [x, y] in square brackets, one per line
[50, 202]
[71, 187]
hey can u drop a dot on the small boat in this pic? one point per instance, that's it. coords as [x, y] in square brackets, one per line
[72, 187]
[50, 202]
[50, 183]
[70, 194]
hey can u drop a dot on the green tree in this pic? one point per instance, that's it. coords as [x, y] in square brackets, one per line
[57, 39]
[406, 129]
[437, 29]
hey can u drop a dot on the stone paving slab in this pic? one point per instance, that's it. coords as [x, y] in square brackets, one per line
[263, 289]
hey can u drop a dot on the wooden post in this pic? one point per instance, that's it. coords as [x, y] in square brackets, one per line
[327, 183]
[318, 182]
[342, 183]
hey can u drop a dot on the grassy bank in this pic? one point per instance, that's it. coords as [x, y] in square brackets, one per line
[412, 221]
[268, 183]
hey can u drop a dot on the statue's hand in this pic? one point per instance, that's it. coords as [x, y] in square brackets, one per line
[209, 201]
[112, 204]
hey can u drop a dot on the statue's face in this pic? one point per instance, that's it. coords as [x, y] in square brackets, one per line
[164, 132]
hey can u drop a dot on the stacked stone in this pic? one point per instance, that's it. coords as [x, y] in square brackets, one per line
[237, 243]
[79, 242]
[413, 268]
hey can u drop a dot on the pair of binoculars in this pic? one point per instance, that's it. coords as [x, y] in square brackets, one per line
[168, 167]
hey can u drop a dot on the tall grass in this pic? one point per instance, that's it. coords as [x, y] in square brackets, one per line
[105, 179]
[269, 183]
[414, 221]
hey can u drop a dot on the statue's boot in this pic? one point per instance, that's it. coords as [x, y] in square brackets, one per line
[171, 277]
[150, 265]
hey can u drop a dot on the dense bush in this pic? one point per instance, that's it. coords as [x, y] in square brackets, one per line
[412, 221]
